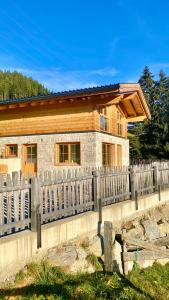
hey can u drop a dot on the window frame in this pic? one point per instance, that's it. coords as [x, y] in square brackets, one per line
[112, 156]
[7, 151]
[103, 114]
[69, 154]
[32, 156]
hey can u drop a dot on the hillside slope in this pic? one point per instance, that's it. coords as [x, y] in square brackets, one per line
[16, 85]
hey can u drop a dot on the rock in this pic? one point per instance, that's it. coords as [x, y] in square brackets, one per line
[81, 266]
[71, 257]
[64, 256]
[165, 212]
[130, 224]
[155, 215]
[135, 233]
[96, 246]
[81, 253]
[117, 263]
[164, 229]
[163, 241]
[151, 229]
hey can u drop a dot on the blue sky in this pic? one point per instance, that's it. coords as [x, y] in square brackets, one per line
[75, 44]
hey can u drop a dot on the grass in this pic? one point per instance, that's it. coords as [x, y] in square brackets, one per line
[42, 281]
[93, 260]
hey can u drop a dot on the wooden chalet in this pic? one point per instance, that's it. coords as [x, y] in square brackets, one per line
[86, 127]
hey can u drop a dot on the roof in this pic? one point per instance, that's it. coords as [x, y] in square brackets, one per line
[79, 92]
[128, 95]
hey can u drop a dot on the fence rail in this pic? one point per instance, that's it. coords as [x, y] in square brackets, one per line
[54, 195]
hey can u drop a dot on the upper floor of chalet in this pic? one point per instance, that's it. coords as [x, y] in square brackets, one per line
[106, 109]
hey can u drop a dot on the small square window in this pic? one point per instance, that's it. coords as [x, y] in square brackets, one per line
[11, 150]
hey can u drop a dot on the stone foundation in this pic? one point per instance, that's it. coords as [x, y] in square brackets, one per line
[90, 143]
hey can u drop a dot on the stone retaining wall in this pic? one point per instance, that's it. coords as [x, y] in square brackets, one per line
[18, 249]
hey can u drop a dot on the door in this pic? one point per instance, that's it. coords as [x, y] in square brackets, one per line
[30, 160]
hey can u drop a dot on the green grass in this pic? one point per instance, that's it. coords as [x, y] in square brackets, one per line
[43, 281]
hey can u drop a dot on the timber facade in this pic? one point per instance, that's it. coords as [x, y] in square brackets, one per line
[85, 128]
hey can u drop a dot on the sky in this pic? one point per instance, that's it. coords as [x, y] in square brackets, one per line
[76, 44]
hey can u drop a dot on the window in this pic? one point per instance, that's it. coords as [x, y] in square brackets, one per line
[31, 153]
[11, 150]
[68, 153]
[103, 119]
[108, 154]
[119, 124]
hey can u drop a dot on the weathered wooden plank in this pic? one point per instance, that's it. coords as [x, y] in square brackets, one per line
[146, 245]
[108, 246]
[144, 255]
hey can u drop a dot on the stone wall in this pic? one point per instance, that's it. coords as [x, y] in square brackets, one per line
[106, 138]
[91, 147]
[20, 248]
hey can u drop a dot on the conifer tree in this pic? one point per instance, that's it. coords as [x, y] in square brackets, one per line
[16, 85]
[153, 135]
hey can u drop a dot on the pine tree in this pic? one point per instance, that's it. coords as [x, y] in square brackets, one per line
[16, 85]
[153, 136]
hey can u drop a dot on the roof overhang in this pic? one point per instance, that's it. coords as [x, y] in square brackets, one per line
[129, 97]
[133, 103]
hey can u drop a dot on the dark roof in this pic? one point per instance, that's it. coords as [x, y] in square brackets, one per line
[85, 91]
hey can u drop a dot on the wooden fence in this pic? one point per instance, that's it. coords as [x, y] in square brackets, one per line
[27, 203]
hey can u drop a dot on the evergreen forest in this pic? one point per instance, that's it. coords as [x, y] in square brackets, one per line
[16, 85]
[150, 139]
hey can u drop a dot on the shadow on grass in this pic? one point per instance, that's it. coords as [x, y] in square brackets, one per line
[65, 289]
[30, 290]
[137, 289]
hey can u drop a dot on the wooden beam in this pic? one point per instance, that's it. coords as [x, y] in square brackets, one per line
[129, 96]
[108, 101]
[3, 107]
[24, 104]
[12, 106]
[123, 109]
[36, 103]
[43, 102]
[133, 107]
[138, 118]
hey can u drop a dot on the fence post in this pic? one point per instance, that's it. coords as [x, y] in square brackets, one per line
[136, 200]
[155, 178]
[95, 187]
[108, 246]
[132, 182]
[159, 192]
[100, 209]
[35, 209]
[15, 178]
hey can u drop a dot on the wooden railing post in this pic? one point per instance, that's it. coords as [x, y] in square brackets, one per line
[35, 209]
[159, 192]
[95, 189]
[155, 178]
[132, 183]
[15, 178]
[136, 200]
[108, 246]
